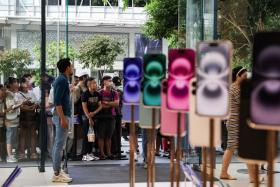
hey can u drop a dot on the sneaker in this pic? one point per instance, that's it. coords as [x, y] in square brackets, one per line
[61, 178]
[135, 157]
[1, 160]
[62, 172]
[11, 159]
[94, 157]
[84, 158]
[87, 158]
[145, 165]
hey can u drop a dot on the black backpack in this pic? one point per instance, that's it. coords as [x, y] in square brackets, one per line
[78, 107]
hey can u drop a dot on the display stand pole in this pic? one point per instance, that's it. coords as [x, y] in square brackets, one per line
[132, 150]
[211, 154]
[256, 173]
[153, 137]
[149, 155]
[172, 162]
[204, 165]
[271, 139]
[178, 150]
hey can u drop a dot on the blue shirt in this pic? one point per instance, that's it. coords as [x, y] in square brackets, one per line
[62, 94]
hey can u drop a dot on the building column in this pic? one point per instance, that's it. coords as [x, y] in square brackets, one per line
[131, 44]
[13, 37]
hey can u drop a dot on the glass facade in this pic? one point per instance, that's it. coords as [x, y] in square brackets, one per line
[199, 21]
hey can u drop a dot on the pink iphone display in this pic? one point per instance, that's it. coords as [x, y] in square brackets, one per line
[169, 119]
[181, 70]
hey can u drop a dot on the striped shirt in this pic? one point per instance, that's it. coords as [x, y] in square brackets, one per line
[1, 110]
[233, 121]
[234, 94]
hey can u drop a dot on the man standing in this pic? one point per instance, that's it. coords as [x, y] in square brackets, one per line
[109, 100]
[116, 139]
[61, 118]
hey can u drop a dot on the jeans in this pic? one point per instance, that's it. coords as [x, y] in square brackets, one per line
[144, 143]
[61, 135]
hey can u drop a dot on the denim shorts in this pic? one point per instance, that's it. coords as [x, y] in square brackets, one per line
[11, 135]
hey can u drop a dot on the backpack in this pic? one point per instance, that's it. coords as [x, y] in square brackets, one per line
[119, 108]
[78, 107]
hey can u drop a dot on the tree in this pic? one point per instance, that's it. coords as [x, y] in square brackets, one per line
[100, 51]
[14, 62]
[241, 19]
[51, 50]
[162, 20]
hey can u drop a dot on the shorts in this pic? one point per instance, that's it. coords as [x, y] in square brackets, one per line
[11, 135]
[105, 127]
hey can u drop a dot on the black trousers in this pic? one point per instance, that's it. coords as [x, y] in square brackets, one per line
[87, 146]
[2, 142]
[116, 138]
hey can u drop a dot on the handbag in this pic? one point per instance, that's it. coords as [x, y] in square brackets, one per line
[91, 134]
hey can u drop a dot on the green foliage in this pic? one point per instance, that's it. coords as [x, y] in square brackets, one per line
[51, 50]
[240, 20]
[14, 61]
[272, 23]
[163, 19]
[100, 51]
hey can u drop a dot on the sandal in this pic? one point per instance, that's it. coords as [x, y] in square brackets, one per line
[34, 156]
[228, 177]
[21, 156]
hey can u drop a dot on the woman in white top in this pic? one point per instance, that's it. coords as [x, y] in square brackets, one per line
[28, 121]
[2, 134]
[12, 117]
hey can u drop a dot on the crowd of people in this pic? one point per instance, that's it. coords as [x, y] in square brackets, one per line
[97, 109]
[95, 106]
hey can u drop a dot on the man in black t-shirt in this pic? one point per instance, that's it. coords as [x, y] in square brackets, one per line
[91, 102]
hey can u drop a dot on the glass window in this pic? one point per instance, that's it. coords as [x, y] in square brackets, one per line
[97, 3]
[3, 2]
[72, 2]
[84, 2]
[100, 3]
[145, 45]
[137, 3]
[26, 2]
[193, 23]
[53, 2]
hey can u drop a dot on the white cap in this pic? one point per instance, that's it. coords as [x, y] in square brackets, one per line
[82, 73]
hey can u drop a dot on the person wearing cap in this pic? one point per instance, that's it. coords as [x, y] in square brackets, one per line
[105, 129]
[79, 89]
[116, 138]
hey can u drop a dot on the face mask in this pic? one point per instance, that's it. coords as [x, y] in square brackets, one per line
[111, 85]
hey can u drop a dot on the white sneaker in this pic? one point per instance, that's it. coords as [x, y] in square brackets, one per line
[65, 174]
[11, 159]
[94, 157]
[90, 158]
[145, 165]
[84, 158]
[61, 178]
[135, 157]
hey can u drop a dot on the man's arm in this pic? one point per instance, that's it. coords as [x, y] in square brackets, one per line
[114, 103]
[98, 109]
[85, 108]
